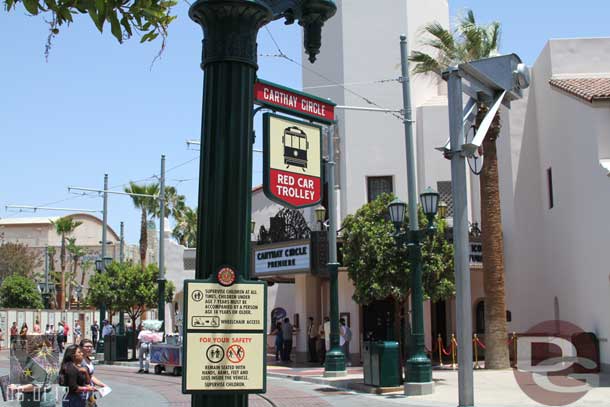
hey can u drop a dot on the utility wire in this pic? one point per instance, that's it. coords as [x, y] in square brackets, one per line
[364, 98]
[352, 83]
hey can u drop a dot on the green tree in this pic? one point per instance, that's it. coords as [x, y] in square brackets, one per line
[146, 205]
[18, 259]
[470, 41]
[379, 268]
[20, 292]
[127, 288]
[148, 18]
[185, 230]
[64, 226]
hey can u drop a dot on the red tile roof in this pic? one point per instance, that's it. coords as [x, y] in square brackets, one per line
[589, 89]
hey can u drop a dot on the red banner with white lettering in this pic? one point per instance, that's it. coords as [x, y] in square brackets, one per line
[293, 102]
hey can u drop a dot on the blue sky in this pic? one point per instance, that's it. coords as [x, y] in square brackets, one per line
[97, 106]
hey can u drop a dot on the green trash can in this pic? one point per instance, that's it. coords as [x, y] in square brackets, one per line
[109, 348]
[366, 363]
[385, 364]
[115, 347]
[120, 342]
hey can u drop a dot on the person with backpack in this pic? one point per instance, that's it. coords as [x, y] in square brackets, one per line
[346, 336]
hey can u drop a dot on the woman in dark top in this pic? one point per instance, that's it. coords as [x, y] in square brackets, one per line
[75, 378]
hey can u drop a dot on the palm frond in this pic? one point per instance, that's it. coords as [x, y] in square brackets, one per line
[493, 37]
[425, 64]
[442, 39]
[470, 17]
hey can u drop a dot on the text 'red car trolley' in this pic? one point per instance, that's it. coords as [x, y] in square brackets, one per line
[295, 147]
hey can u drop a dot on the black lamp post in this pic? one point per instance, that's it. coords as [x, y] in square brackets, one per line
[100, 267]
[429, 203]
[229, 62]
[418, 365]
[320, 212]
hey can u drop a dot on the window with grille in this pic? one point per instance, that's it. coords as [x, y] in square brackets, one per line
[377, 186]
[444, 191]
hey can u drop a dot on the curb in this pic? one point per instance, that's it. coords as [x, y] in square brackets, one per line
[346, 384]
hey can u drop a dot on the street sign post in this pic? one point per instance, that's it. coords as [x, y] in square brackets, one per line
[293, 102]
[225, 335]
[292, 169]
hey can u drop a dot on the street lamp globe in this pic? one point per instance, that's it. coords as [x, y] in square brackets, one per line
[98, 265]
[320, 212]
[107, 262]
[429, 202]
[442, 209]
[397, 210]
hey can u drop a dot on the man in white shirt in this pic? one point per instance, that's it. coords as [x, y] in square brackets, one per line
[327, 333]
[107, 329]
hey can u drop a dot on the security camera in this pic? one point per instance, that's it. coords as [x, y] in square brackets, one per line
[522, 76]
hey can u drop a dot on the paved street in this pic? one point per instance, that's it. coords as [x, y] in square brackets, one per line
[293, 389]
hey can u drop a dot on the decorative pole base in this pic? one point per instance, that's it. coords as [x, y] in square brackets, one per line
[334, 365]
[419, 376]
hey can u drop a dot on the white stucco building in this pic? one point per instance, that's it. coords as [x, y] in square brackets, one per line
[370, 151]
[556, 251]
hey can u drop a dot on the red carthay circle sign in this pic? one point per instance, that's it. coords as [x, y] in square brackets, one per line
[293, 161]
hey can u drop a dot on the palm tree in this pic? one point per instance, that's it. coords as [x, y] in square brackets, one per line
[63, 227]
[185, 230]
[147, 206]
[469, 42]
[76, 253]
[175, 204]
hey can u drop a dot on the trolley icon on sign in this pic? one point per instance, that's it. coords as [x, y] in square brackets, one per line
[295, 147]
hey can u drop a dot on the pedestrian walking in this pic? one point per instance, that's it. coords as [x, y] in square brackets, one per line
[66, 331]
[61, 338]
[95, 331]
[86, 346]
[77, 333]
[36, 327]
[23, 334]
[143, 350]
[50, 334]
[346, 334]
[13, 335]
[75, 378]
[286, 339]
[279, 341]
[312, 339]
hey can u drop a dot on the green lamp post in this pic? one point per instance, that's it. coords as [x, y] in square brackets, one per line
[229, 62]
[418, 366]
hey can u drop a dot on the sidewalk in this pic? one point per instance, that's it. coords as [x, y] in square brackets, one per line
[493, 388]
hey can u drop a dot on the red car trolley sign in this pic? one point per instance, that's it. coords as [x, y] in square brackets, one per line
[292, 171]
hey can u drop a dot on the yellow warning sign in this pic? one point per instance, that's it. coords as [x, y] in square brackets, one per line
[223, 362]
[212, 306]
